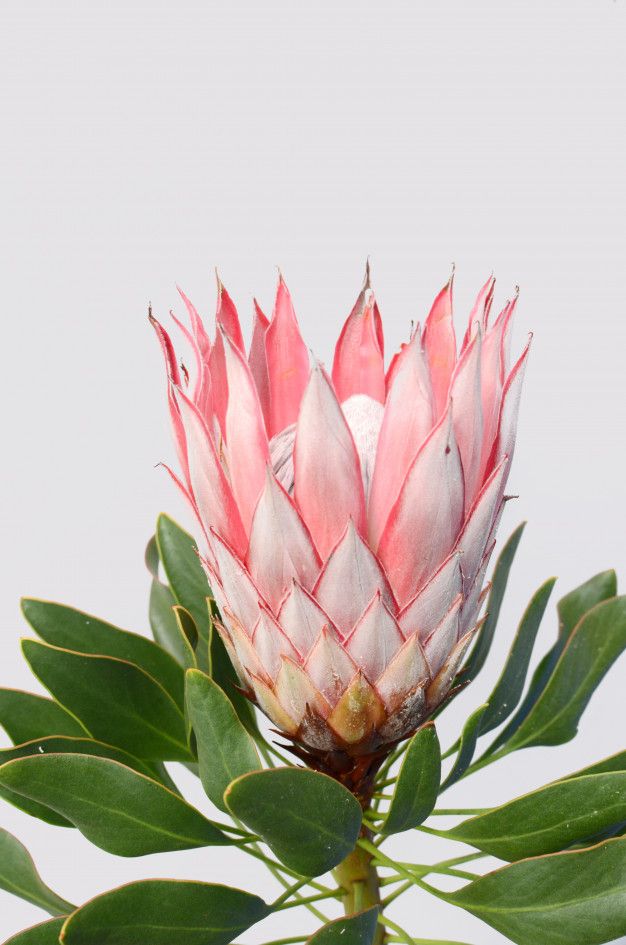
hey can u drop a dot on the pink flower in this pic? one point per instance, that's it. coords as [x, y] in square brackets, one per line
[347, 520]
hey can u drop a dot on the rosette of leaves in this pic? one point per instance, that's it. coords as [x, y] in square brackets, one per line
[95, 756]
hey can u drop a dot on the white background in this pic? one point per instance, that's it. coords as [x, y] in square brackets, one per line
[144, 143]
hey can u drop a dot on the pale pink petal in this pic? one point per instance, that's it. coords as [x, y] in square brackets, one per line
[349, 580]
[443, 639]
[257, 359]
[375, 639]
[246, 439]
[219, 382]
[281, 455]
[226, 316]
[211, 490]
[287, 362]
[440, 685]
[479, 314]
[297, 693]
[475, 594]
[270, 643]
[302, 618]
[407, 671]
[407, 421]
[202, 339]
[247, 657]
[329, 666]
[426, 519]
[509, 410]
[473, 539]
[423, 613]
[440, 345]
[280, 545]
[167, 347]
[364, 416]
[465, 395]
[328, 485]
[271, 706]
[358, 366]
[240, 591]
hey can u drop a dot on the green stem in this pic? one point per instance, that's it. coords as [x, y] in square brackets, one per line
[359, 884]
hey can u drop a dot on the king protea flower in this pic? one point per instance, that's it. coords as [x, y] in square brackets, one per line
[347, 518]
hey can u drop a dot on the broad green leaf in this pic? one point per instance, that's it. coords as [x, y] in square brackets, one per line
[188, 633]
[58, 744]
[467, 747]
[163, 621]
[576, 604]
[165, 912]
[417, 785]
[117, 701]
[179, 556]
[25, 716]
[225, 749]
[19, 876]
[118, 809]
[358, 929]
[508, 690]
[549, 819]
[481, 648]
[598, 639]
[45, 933]
[574, 898]
[74, 630]
[615, 762]
[309, 820]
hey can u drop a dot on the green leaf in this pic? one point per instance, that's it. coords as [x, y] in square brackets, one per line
[574, 898]
[25, 716]
[358, 929]
[19, 876]
[188, 633]
[549, 819]
[45, 933]
[165, 912]
[117, 809]
[417, 785]
[576, 604]
[481, 648]
[225, 750]
[508, 690]
[598, 639]
[615, 762]
[151, 557]
[467, 747]
[163, 621]
[309, 820]
[57, 744]
[117, 701]
[179, 556]
[71, 629]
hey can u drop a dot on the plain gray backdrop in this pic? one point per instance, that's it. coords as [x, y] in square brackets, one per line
[145, 143]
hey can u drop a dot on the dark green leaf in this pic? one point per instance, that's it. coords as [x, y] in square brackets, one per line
[549, 819]
[358, 929]
[481, 648]
[116, 808]
[576, 604]
[310, 821]
[45, 933]
[598, 639]
[188, 633]
[25, 716]
[469, 737]
[225, 750]
[117, 701]
[19, 876]
[151, 557]
[574, 898]
[58, 744]
[418, 782]
[163, 621]
[73, 630]
[508, 690]
[165, 912]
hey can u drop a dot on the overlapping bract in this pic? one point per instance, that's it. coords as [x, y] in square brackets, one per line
[347, 520]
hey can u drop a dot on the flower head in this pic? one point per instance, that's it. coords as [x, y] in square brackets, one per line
[347, 518]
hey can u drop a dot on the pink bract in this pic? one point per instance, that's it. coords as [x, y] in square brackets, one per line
[348, 518]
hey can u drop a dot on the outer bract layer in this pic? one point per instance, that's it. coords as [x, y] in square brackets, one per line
[347, 519]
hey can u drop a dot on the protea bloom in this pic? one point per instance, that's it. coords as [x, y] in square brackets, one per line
[347, 519]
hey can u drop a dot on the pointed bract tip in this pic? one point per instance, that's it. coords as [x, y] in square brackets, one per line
[367, 283]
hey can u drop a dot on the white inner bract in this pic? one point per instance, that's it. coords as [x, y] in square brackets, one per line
[364, 416]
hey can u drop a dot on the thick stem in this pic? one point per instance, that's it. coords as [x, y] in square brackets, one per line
[358, 878]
